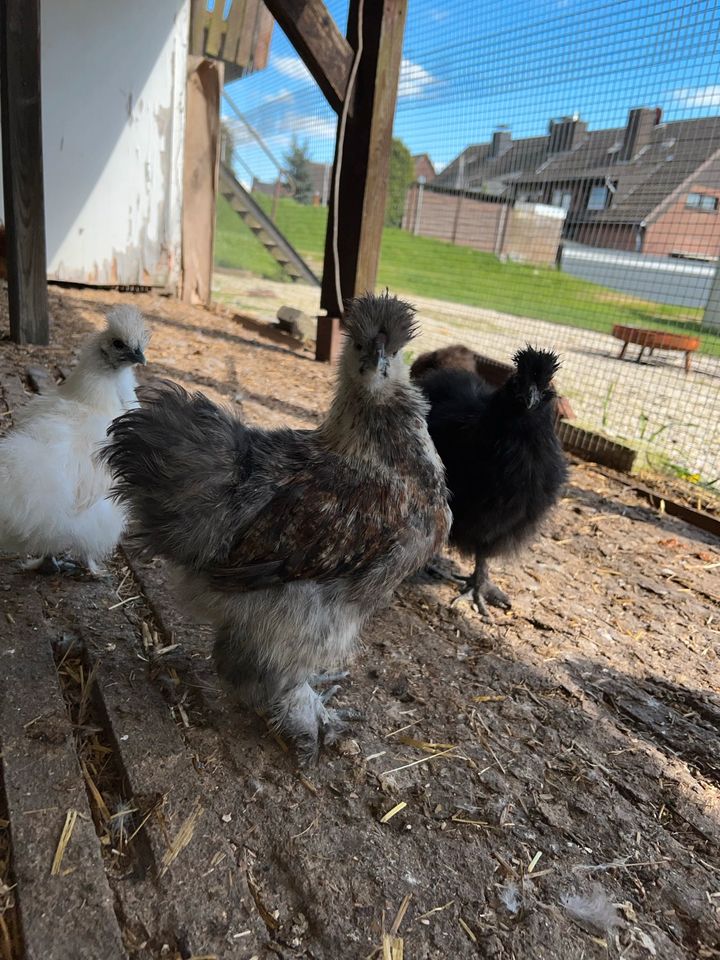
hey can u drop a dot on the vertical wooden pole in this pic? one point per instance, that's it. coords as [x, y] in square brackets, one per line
[363, 175]
[201, 160]
[23, 170]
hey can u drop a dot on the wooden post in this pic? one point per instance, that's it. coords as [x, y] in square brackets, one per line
[23, 170]
[363, 174]
[201, 158]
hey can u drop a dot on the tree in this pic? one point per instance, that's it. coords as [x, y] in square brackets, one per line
[297, 164]
[402, 174]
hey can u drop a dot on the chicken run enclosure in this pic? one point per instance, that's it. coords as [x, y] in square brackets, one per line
[556, 175]
[542, 781]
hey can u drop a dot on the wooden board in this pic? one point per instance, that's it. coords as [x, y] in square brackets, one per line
[315, 35]
[23, 170]
[68, 916]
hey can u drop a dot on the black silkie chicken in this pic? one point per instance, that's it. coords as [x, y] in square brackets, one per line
[287, 540]
[504, 463]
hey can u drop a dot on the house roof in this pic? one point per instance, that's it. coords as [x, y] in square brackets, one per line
[674, 152]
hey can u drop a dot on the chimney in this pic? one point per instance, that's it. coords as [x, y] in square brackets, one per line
[566, 134]
[501, 143]
[639, 129]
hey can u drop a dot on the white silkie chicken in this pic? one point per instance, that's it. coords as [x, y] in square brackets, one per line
[54, 491]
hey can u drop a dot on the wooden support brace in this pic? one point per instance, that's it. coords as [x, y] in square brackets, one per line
[363, 174]
[23, 170]
[323, 49]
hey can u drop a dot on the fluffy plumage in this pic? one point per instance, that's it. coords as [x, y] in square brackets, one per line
[287, 540]
[505, 466]
[55, 495]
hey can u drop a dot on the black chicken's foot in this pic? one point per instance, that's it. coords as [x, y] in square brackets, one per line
[481, 594]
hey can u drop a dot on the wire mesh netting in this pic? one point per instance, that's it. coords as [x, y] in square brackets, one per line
[555, 179]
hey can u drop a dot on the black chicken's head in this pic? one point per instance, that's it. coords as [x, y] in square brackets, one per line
[532, 381]
[377, 328]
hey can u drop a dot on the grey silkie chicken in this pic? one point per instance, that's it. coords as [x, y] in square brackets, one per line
[288, 540]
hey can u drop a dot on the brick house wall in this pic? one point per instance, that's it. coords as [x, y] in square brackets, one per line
[613, 236]
[683, 230]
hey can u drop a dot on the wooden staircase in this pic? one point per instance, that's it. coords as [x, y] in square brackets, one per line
[276, 244]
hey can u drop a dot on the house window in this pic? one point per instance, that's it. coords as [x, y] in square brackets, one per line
[562, 198]
[598, 198]
[702, 201]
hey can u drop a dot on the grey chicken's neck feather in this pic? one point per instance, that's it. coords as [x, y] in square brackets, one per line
[370, 425]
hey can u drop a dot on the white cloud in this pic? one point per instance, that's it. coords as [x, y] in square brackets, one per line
[698, 96]
[293, 68]
[277, 95]
[414, 79]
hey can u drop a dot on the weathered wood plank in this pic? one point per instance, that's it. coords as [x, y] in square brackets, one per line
[185, 901]
[68, 916]
[23, 170]
[216, 30]
[233, 33]
[246, 39]
[316, 37]
[365, 165]
[200, 176]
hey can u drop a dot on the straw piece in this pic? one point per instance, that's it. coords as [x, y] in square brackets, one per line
[534, 862]
[391, 813]
[183, 838]
[67, 830]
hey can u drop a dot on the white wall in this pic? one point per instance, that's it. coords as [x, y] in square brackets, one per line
[113, 87]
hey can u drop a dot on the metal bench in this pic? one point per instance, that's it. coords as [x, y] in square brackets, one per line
[651, 340]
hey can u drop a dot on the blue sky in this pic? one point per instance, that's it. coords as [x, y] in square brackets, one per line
[469, 67]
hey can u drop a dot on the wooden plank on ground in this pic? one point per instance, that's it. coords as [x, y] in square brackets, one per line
[189, 900]
[68, 914]
[23, 170]
[322, 47]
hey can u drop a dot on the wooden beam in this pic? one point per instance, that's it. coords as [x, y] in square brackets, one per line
[365, 165]
[23, 170]
[322, 47]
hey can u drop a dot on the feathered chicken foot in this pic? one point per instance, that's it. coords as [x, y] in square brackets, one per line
[46, 565]
[303, 714]
[482, 591]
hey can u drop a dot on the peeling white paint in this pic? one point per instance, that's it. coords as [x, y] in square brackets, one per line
[113, 87]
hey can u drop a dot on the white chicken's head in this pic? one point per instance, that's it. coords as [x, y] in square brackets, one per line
[376, 329]
[124, 341]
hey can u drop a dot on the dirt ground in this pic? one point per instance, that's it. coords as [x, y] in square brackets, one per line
[546, 785]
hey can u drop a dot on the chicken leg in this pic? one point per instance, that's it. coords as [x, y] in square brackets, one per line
[482, 591]
[283, 694]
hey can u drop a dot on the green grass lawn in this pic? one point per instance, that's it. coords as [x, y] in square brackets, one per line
[425, 267]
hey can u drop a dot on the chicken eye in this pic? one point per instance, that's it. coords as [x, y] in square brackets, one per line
[358, 347]
[118, 344]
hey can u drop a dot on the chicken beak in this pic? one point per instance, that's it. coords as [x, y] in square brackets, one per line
[138, 356]
[533, 397]
[379, 356]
